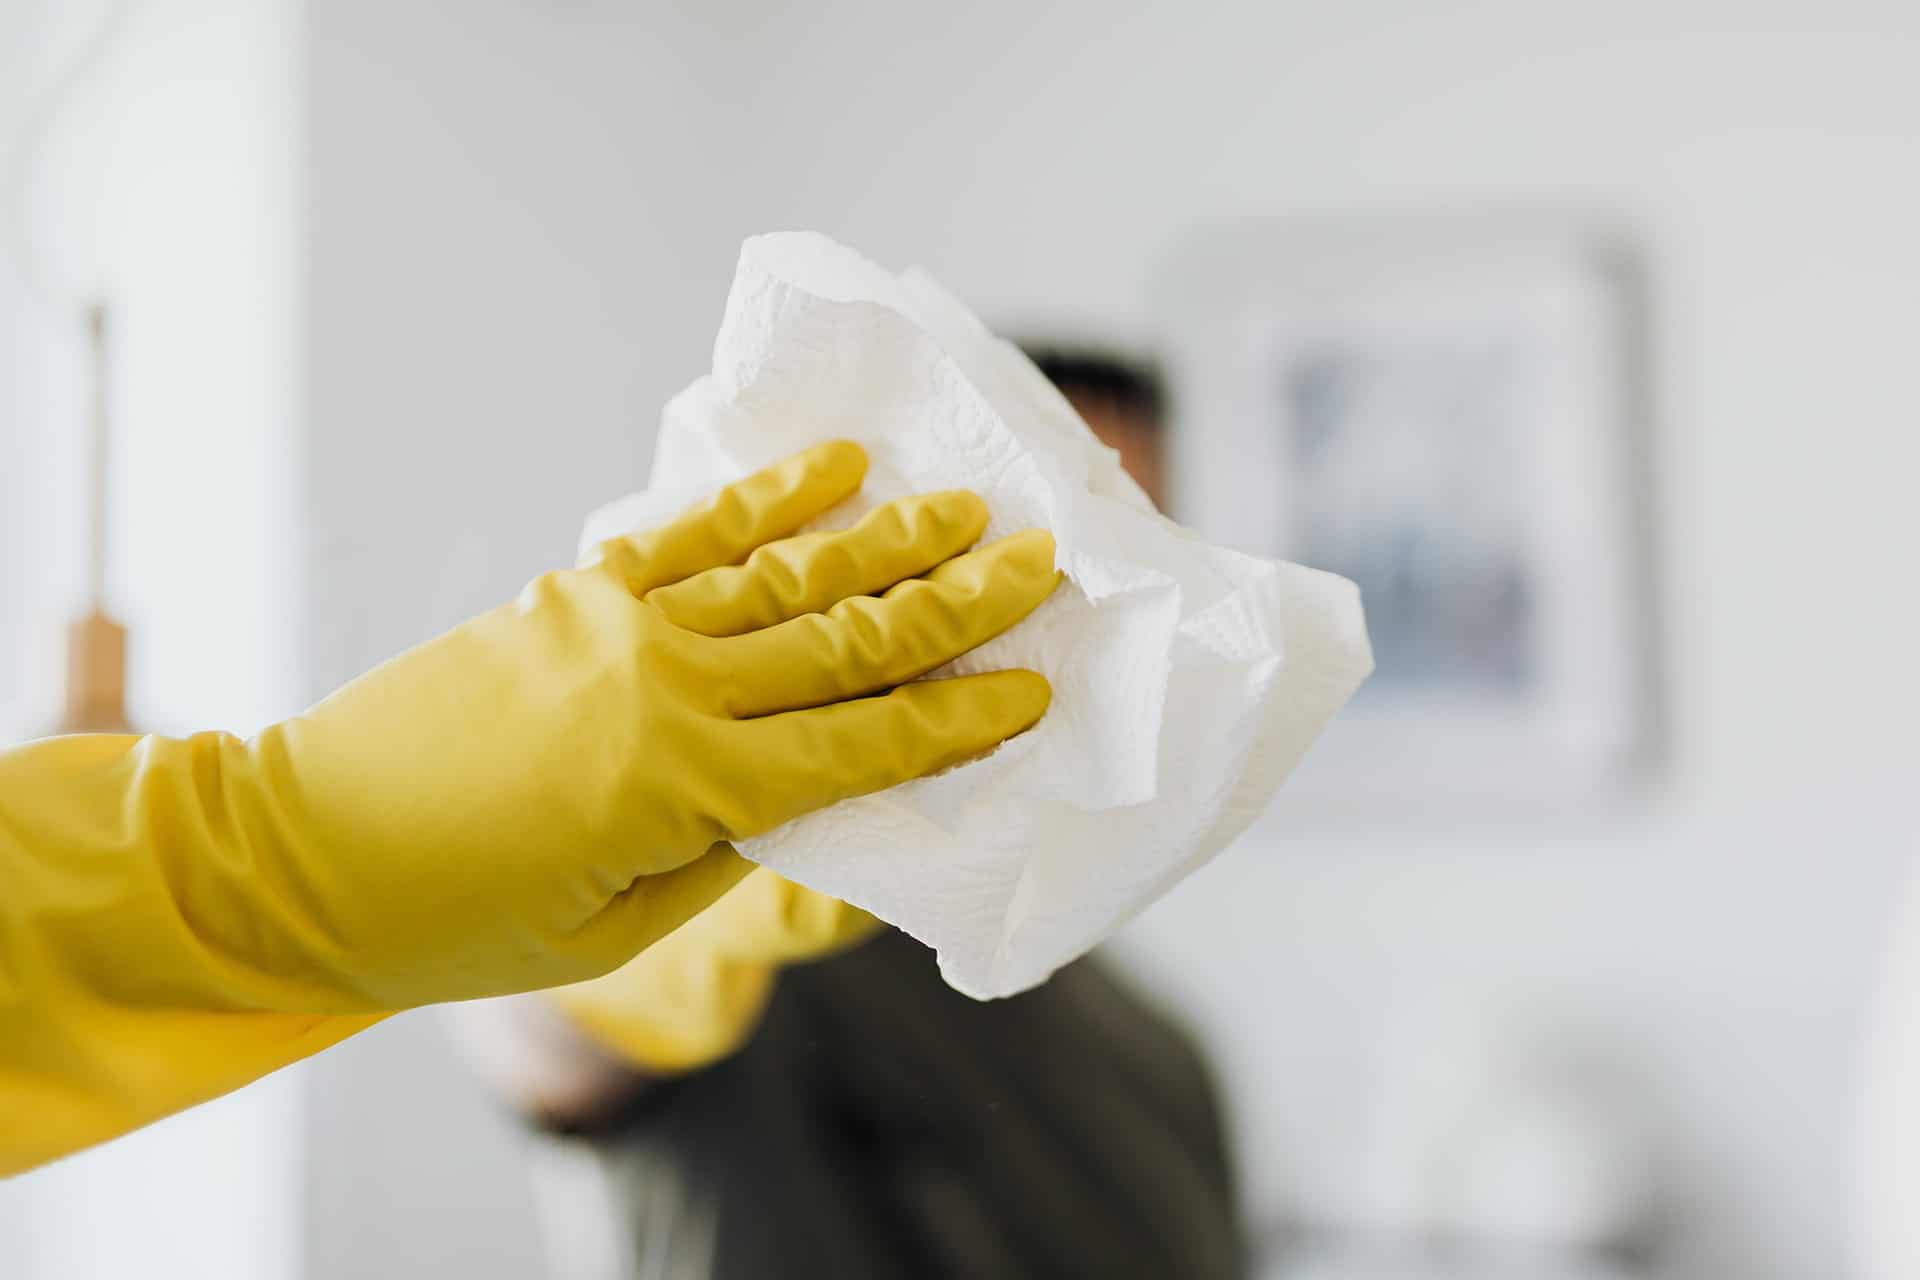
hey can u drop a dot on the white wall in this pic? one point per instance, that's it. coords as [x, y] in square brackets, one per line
[523, 222]
[168, 186]
[498, 277]
[30, 361]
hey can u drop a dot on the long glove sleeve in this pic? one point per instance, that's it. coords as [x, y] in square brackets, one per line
[528, 800]
[129, 872]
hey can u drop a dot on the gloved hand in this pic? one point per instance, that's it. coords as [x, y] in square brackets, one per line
[527, 800]
[694, 996]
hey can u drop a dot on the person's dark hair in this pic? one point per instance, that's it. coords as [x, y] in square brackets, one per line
[1130, 385]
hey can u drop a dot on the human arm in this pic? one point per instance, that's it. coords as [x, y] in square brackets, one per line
[528, 800]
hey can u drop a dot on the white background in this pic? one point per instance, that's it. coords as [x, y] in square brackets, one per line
[520, 225]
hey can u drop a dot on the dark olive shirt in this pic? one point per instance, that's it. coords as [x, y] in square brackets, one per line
[882, 1125]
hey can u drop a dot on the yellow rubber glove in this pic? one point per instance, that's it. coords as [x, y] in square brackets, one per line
[527, 800]
[694, 996]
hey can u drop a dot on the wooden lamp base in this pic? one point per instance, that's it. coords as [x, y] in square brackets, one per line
[96, 676]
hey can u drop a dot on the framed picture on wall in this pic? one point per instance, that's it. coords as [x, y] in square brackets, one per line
[1449, 411]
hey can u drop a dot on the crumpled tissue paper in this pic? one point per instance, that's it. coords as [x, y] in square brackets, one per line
[1188, 679]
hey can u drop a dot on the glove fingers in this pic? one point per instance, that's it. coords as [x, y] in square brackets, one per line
[864, 745]
[772, 920]
[724, 529]
[866, 644]
[814, 571]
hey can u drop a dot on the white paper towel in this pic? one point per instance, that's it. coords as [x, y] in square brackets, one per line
[1187, 679]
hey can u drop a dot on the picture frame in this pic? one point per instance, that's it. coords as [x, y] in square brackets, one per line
[1451, 411]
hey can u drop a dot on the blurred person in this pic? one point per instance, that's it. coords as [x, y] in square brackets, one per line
[528, 800]
[1121, 398]
[785, 1087]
